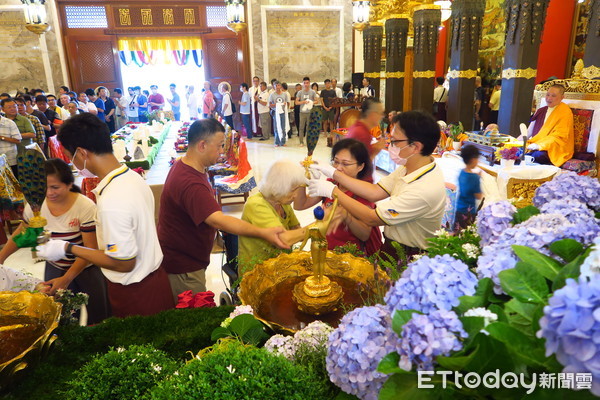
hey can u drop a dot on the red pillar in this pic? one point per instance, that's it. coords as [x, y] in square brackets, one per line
[556, 40]
[441, 60]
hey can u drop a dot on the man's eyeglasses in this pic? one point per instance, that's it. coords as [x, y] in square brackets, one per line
[394, 141]
[335, 163]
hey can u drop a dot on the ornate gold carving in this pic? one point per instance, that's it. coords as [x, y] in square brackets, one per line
[124, 16]
[466, 74]
[523, 190]
[397, 75]
[511, 73]
[372, 74]
[591, 72]
[146, 16]
[427, 7]
[584, 86]
[189, 17]
[168, 18]
[424, 74]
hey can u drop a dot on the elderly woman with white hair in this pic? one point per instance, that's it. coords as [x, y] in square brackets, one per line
[271, 207]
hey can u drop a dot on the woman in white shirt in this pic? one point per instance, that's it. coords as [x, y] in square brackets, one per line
[227, 103]
[71, 217]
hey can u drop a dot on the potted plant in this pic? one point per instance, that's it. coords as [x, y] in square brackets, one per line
[456, 135]
[507, 156]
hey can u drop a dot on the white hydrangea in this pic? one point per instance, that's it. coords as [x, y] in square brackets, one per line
[471, 250]
[487, 315]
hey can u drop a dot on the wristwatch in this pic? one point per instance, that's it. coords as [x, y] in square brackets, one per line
[69, 248]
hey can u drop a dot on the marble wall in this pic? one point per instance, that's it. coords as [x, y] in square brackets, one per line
[322, 63]
[22, 63]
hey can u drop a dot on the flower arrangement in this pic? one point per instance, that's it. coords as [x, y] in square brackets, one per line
[569, 185]
[71, 304]
[452, 133]
[508, 153]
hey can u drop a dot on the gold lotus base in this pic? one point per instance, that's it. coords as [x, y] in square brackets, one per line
[316, 297]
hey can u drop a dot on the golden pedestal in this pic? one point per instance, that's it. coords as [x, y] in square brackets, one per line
[317, 296]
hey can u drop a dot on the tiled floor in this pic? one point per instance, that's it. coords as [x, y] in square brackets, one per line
[261, 155]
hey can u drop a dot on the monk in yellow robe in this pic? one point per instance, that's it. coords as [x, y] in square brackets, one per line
[553, 139]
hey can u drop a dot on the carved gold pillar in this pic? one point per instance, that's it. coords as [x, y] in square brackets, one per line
[373, 36]
[467, 16]
[396, 33]
[525, 21]
[426, 22]
[591, 59]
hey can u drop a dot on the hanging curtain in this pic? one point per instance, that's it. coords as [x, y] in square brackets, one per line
[144, 50]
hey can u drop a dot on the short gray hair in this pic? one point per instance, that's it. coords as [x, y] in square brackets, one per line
[282, 177]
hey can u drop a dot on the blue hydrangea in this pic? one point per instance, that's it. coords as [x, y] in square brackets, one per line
[426, 336]
[430, 284]
[493, 220]
[571, 327]
[537, 232]
[577, 213]
[355, 349]
[569, 185]
[591, 265]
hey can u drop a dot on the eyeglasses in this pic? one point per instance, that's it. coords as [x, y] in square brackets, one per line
[335, 163]
[394, 141]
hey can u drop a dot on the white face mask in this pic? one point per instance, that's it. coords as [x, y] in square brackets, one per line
[395, 155]
[83, 172]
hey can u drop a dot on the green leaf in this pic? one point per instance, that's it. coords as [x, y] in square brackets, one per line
[404, 386]
[456, 363]
[468, 302]
[524, 284]
[243, 323]
[491, 355]
[345, 396]
[254, 336]
[546, 266]
[389, 364]
[529, 351]
[401, 317]
[571, 270]
[219, 333]
[523, 214]
[499, 311]
[472, 325]
[567, 249]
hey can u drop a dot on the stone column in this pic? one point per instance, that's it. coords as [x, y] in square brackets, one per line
[591, 59]
[373, 36]
[426, 22]
[467, 16]
[525, 21]
[396, 33]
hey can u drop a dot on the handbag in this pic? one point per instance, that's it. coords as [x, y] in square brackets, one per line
[233, 108]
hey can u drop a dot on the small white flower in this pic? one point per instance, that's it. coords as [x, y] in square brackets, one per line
[487, 315]
[471, 250]
[441, 233]
[416, 257]
[176, 373]
[157, 368]
[120, 349]
[231, 369]
[133, 360]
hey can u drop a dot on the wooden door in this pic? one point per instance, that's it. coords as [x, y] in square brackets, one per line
[93, 62]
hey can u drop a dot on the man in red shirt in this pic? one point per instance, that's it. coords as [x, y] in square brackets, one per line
[156, 101]
[371, 113]
[190, 216]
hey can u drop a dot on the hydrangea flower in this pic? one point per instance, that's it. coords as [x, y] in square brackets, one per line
[355, 349]
[282, 345]
[576, 213]
[314, 335]
[431, 284]
[238, 310]
[426, 336]
[571, 327]
[591, 265]
[471, 250]
[493, 220]
[537, 232]
[487, 315]
[569, 185]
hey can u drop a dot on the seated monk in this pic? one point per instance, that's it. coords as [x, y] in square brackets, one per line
[552, 140]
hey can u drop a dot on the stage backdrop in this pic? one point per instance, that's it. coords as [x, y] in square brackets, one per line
[290, 40]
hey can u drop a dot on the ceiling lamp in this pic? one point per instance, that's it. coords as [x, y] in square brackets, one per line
[36, 20]
[446, 6]
[360, 14]
[236, 18]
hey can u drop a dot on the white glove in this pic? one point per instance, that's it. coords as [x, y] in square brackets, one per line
[533, 147]
[325, 169]
[54, 250]
[320, 188]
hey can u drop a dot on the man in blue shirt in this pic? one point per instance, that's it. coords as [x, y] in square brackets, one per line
[98, 102]
[175, 102]
[469, 188]
[245, 110]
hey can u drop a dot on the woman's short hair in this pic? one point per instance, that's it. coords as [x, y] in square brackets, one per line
[419, 126]
[56, 166]
[359, 152]
[282, 177]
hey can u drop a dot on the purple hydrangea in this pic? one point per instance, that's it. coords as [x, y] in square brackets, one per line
[571, 327]
[577, 213]
[493, 220]
[282, 345]
[591, 265]
[431, 284]
[313, 335]
[537, 232]
[426, 336]
[569, 185]
[355, 349]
